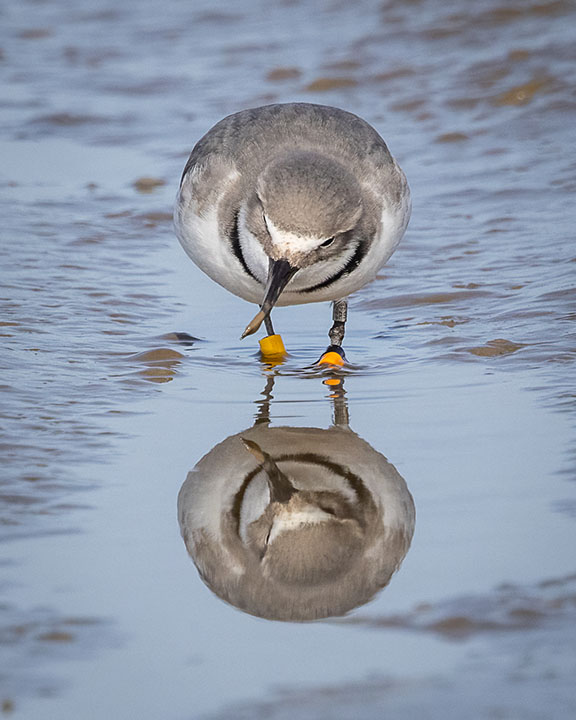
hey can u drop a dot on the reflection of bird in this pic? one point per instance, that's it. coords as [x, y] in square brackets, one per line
[321, 518]
[290, 204]
[309, 523]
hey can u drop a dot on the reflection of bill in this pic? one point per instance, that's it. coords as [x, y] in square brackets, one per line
[294, 523]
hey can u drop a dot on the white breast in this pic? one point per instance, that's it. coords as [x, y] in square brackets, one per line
[201, 238]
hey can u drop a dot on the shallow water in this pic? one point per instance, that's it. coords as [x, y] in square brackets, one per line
[122, 365]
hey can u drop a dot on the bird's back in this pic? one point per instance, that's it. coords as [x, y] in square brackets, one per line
[223, 173]
[249, 139]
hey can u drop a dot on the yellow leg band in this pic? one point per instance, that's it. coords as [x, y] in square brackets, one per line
[272, 346]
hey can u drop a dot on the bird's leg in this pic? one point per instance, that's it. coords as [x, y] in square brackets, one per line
[268, 324]
[339, 405]
[272, 348]
[339, 315]
[334, 354]
[263, 415]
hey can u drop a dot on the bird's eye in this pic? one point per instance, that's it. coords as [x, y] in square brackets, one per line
[328, 242]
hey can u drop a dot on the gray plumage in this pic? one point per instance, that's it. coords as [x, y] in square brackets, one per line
[308, 185]
[250, 139]
[317, 552]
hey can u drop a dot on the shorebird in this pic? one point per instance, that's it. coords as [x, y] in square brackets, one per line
[292, 203]
[296, 523]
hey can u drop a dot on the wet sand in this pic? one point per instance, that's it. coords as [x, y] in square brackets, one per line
[122, 365]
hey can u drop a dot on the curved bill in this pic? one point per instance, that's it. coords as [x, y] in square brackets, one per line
[279, 486]
[279, 274]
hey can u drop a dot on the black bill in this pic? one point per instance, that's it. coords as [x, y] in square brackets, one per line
[280, 273]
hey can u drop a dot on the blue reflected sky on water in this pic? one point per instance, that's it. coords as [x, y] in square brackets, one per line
[462, 350]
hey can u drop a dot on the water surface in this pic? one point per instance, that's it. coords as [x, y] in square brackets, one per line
[122, 366]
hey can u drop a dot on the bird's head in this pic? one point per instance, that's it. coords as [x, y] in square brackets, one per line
[303, 536]
[303, 211]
